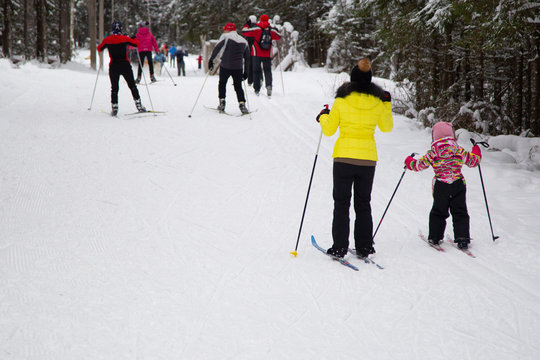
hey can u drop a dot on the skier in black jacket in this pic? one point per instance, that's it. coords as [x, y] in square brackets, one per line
[120, 65]
[234, 52]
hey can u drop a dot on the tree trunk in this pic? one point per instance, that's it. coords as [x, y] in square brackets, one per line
[479, 87]
[92, 31]
[101, 34]
[41, 27]
[536, 124]
[26, 29]
[63, 17]
[519, 97]
[467, 73]
[6, 32]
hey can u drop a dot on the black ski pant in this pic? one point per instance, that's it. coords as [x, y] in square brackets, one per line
[142, 56]
[249, 66]
[224, 75]
[346, 178]
[181, 66]
[117, 69]
[449, 197]
[266, 63]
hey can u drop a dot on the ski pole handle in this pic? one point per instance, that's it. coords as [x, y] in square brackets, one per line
[412, 155]
[483, 143]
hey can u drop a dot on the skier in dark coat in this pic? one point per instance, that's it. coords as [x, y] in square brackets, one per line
[180, 53]
[120, 65]
[234, 52]
[252, 21]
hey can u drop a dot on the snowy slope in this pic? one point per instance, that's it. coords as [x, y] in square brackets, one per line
[168, 237]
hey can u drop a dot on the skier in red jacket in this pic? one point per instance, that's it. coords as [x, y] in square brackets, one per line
[120, 65]
[261, 52]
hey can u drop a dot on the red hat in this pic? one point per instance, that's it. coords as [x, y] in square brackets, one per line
[264, 17]
[229, 27]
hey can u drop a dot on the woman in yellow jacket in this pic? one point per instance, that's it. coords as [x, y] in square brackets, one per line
[359, 108]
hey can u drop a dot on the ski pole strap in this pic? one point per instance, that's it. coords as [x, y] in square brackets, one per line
[483, 143]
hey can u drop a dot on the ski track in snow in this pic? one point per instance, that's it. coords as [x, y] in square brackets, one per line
[159, 237]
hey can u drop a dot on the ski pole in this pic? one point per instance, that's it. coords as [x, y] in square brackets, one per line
[485, 144]
[392, 197]
[295, 253]
[168, 73]
[144, 77]
[94, 92]
[200, 91]
[281, 72]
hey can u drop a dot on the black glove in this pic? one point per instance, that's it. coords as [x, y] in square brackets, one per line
[386, 97]
[245, 75]
[323, 111]
[211, 65]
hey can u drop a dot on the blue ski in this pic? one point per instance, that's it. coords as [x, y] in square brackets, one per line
[342, 261]
[367, 260]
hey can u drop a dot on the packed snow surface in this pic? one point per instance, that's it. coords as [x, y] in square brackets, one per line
[168, 237]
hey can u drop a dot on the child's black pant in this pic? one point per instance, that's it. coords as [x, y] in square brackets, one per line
[449, 197]
[347, 177]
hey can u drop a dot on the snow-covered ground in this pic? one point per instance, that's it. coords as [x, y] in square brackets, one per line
[168, 237]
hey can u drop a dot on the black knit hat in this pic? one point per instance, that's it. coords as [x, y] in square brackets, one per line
[362, 72]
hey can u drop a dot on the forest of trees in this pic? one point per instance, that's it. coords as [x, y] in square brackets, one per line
[475, 63]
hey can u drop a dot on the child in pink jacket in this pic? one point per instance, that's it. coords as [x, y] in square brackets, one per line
[449, 190]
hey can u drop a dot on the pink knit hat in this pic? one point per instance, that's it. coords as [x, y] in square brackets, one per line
[441, 130]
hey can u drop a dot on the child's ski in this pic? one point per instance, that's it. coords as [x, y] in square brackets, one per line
[436, 247]
[466, 251]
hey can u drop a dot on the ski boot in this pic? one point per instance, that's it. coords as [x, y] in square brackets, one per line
[221, 106]
[152, 78]
[139, 106]
[114, 111]
[138, 80]
[269, 91]
[463, 243]
[337, 252]
[243, 108]
[434, 242]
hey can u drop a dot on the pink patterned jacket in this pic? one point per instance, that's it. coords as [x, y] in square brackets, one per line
[447, 158]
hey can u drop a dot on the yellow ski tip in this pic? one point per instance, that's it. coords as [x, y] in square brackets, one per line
[294, 253]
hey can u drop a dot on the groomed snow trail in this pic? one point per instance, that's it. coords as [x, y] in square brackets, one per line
[160, 237]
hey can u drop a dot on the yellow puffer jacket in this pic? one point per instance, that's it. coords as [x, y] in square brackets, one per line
[357, 115]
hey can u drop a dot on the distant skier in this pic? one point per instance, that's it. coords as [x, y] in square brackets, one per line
[234, 56]
[147, 42]
[252, 21]
[263, 36]
[120, 65]
[359, 108]
[449, 190]
[180, 53]
[172, 52]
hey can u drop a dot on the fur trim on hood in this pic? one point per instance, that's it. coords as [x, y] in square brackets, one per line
[369, 89]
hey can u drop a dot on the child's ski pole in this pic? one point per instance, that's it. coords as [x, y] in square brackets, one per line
[485, 144]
